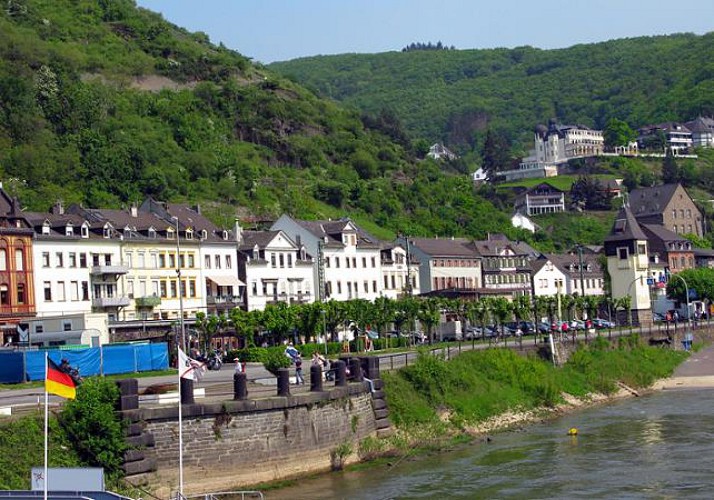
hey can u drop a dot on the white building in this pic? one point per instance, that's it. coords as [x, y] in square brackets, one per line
[440, 152]
[274, 269]
[702, 129]
[523, 221]
[548, 279]
[400, 272]
[347, 260]
[78, 265]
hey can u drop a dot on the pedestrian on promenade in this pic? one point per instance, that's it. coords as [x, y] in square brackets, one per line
[299, 380]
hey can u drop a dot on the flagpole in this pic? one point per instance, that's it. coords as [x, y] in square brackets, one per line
[180, 418]
[46, 433]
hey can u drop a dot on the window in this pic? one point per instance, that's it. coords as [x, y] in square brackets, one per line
[4, 295]
[19, 260]
[337, 263]
[281, 259]
[61, 291]
[162, 260]
[39, 328]
[689, 213]
[69, 230]
[217, 261]
[72, 259]
[374, 286]
[85, 290]
[48, 291]
[254, 288]
[189, 233]
[364, 261]
[107, 259]
[182, 261]
[83, 260]
[374, 262]
[154, 261]
[3, 259]
[229, 265]
[191, 263]
[327, 262]
[128, 258]
[107, 231]
[85, 231]
[162, 288]
[339, 287]
[45, 259]
[272, 260]
[207, 262]
[46, 228]
[74, 290]
[674, 213]
[67, 325]
[172, 260]
[141, 258]
[192, 288]
[182, 286]
[174, 289]
[347, 262]
[152, 232]
[365, 285]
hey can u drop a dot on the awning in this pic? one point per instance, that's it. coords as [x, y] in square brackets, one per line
[226, 280]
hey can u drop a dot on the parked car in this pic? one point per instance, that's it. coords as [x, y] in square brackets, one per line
[601, 324]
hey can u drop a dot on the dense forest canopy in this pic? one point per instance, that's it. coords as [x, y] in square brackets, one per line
[454, 96]
[104, 103]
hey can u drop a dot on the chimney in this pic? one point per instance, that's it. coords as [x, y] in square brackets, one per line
[197, 209]
[298, 240]
[134, 210]
[57, 208]
[238, 232]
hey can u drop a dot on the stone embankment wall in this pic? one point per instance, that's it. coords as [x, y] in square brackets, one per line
[244, 442]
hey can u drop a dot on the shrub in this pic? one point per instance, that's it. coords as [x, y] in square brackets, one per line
[93, 426]
[275, 359]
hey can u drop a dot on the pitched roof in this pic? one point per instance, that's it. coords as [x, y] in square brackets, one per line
[443, 247]
[651, 200]
[261, 238]
[701, 124]
[662, 233]
[570, 265]
[625, 228]
[333, 229]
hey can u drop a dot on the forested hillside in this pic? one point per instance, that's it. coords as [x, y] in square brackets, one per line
[454, 96]
[103, 103]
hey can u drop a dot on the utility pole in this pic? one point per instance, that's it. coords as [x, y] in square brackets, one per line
[582, 279]
[409, 288]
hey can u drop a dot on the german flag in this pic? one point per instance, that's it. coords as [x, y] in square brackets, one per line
[58, 382]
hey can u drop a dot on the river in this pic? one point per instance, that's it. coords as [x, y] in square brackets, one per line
[657, 446]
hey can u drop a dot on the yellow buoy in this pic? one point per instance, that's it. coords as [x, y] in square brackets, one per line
[573, 431]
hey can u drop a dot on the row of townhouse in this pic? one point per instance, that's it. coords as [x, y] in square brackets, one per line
[148, 267]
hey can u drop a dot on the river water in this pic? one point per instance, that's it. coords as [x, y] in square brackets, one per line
[657, 446]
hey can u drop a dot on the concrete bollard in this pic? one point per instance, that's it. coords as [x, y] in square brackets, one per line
[315, 379]
[186, 391]
[355, 370]
[283, 382]
[340, 373]
[240, 386]
[370, 367]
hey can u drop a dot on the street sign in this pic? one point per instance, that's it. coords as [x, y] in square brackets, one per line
[650, 281]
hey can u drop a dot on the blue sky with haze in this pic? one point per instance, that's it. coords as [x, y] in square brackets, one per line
[278, 30]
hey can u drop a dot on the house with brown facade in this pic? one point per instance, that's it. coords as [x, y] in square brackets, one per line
[668, 205]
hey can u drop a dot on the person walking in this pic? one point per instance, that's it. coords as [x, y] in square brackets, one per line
[299, 380]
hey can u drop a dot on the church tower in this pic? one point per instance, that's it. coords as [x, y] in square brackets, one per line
[628, 265]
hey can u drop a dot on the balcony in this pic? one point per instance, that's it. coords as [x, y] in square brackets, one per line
[221, 299]
[109, 269]
[148, 302]
[103, 302]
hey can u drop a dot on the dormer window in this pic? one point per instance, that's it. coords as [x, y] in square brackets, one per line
[189, 234]
[303, 253]
[107, 231]
[46, 227]
[69, 230]
[170, 233]
[127, 232]
[152, 232]
[84, 231]
[256, 252]
[204, 234]
[225, 235]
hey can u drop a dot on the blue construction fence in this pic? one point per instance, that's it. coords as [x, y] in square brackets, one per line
[26, 365]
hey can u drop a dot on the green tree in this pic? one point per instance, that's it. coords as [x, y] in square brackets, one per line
[670, 169]
[279, 320]
[618, 133]
[495, 156]
[92, 424]
[429, 315]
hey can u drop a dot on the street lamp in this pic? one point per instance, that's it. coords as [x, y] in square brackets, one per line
[324, 328]
[629, 290]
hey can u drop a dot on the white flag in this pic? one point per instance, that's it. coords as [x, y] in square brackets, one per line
[190, 368]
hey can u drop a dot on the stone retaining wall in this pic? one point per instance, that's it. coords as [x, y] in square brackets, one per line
[237, 443]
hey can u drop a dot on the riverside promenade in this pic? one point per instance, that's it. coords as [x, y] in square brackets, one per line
[697, 372]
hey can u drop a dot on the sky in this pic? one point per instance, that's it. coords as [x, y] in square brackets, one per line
[279, 30]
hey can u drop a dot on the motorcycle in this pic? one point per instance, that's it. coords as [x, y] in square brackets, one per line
[212, 361]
